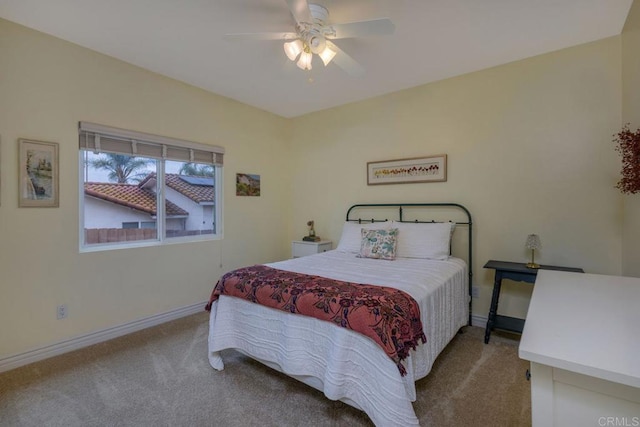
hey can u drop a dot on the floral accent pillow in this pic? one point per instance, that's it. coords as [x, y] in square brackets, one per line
[379, 244]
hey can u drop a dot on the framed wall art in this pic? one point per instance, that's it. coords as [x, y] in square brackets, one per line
[247, 184]
[39, 174]
[401, 171]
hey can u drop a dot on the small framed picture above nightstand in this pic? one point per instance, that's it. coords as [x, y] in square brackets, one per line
[301, 248]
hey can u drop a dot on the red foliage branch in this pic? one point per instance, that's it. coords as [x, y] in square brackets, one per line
[629, 148]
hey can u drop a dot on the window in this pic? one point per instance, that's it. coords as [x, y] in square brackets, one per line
[140, 189]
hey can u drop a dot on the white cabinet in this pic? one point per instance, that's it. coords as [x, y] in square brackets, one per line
[581, 337]
[565, 398]
[301, 248]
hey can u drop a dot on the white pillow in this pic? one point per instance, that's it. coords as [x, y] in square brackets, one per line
[424, 240]
[351, 236]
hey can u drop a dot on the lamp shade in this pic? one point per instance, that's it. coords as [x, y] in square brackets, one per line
[533, 242]
[316, 43]
[327, 55]
[293, 49]
[305, 61]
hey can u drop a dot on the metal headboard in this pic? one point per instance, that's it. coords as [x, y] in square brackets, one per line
[401, 206]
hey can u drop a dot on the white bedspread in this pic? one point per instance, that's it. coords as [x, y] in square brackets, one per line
[344, 364]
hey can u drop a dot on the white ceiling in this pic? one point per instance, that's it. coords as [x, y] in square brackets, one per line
[433, 40]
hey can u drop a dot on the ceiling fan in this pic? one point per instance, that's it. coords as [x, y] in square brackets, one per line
[313, 35]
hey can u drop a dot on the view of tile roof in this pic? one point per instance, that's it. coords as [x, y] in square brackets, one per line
[132, 196]
[197, 193]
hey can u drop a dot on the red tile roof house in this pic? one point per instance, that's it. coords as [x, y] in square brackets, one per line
[189, 204]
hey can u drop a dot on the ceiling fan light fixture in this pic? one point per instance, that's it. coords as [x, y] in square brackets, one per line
[293, 49]
[327, 55]
[304, 63]
[312, 34]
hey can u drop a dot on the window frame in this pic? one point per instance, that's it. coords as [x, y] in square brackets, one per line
[162, 238]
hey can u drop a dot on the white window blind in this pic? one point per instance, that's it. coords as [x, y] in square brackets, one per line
[105, 139]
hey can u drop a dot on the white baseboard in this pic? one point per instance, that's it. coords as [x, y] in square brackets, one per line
[21, 359]
[477, 320]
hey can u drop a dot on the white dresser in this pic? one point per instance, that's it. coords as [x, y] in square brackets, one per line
[582, 337]
[301, 248]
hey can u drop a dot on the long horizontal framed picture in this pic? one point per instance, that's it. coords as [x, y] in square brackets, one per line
[401, 171]
[39, 175]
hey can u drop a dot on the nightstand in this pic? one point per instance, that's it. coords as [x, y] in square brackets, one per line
[517, 272]
[301, 248]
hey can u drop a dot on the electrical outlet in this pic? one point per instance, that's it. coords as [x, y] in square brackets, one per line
[475, 292]
[62, 311]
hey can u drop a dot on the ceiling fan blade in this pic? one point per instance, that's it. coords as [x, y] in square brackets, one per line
[300, 10]
[261, 36]
[346, 62]
[375, 27]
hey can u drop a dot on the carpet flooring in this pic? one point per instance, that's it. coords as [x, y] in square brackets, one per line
[161, 377]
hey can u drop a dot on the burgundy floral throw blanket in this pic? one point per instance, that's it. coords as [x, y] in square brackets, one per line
[388, 316]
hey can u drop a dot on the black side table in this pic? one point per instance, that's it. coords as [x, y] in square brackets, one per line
[518, 272]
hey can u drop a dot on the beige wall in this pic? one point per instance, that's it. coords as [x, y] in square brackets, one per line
[46, 87]
[631, 114]
[529, 146]
[529, 151]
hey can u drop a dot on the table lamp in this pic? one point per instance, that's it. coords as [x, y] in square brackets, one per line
[533, 243]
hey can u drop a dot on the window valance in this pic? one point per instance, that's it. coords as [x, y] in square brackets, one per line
[100, 138]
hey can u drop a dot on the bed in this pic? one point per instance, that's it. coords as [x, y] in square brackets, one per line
[342, 363]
